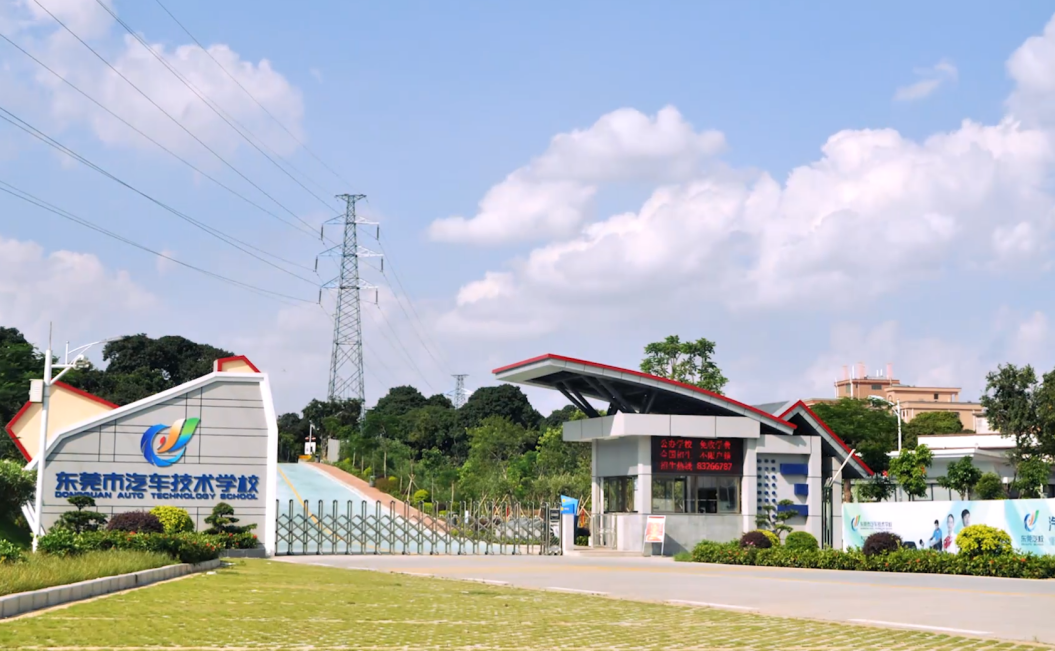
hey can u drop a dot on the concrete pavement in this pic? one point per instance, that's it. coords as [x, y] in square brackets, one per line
[1012, 609]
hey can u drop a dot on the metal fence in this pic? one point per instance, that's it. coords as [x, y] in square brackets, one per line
[398, 528]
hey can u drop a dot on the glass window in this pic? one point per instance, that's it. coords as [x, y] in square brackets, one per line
[668, 494]
[717, 494]
[619, 494]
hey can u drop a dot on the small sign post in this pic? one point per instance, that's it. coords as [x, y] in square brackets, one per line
[656, 531]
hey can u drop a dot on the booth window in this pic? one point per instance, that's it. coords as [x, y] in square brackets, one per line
[669, 494]
[717, 494]
[619, 494]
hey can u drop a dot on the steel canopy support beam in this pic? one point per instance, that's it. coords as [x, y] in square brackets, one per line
[651, 401]
[577, 400]
[627, 407]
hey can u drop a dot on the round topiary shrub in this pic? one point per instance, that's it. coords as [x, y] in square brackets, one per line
[801, 541]
[774, 539]
[983, 540]
[136, 522]
[881, 542]
[756, 539]
[173, 519]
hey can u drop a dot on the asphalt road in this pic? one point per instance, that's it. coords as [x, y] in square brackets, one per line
[1010, 609]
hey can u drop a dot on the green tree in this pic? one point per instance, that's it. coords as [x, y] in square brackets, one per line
[16, 488]
[879, 487]
[1023, 408]
[400, 401]
[139, 366]
[493, 446]
[504, 401]
[990, 487]
[961, 476]
[80, 520]
[558, 417]
[688, 362]
[19, 363]
[930, 423]
[439, 400]
[1031, 477]
[871, 430]
[909, 469]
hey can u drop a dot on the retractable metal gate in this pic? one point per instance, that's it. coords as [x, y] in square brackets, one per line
[473, 528]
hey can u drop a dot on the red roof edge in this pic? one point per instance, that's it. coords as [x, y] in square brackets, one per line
[824, 425]
[9, 428]
[646, 376]
[85, 394]
[219, 364]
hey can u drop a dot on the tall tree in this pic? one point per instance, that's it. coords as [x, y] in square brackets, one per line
[504, 401]
[558, 417]
[961, 476]
[1023, 408]
[493, 446]
[931, 423]
[688, 362]
[400, 401]
[139, 366]
[19, 363]
[909, 468]
[871, 430]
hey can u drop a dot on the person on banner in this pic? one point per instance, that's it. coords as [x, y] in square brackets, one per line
[949, 543]
[965, 518]
[936, 538]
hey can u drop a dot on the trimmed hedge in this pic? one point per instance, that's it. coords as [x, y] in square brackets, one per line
[756, 539]
[136, 521]
[802, 541]
[173, 519]
[185, 547]
[1014, 565]
[881, 542]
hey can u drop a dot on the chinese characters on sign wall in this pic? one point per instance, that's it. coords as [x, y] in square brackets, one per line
[673, 454]
[177, 486]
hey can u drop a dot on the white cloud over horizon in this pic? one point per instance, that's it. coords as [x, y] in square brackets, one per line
[930, 79]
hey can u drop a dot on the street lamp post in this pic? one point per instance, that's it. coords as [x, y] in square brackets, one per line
[43, 387]
[897, 412]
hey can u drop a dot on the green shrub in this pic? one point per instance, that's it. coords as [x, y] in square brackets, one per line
[59, 542]
[420, 495]
[774, 538]
[80, 520]
[683, 557]
[881, 542]
[10, 552]
[136, 521]
[801, 541]
[222, 521]
[990, 487]
[983, 540]
[173, 519]
[756, 539]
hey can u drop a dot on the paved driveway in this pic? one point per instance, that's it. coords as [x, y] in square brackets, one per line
[1003, 608]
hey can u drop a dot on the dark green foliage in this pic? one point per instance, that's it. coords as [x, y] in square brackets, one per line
[756, 539]
[223, 522]
[19, 363]
[139, 366]
[1031, 477]
[1018, 566]
[136, 522]
[400, 401]
[59, 542]
[11, 552]
[184, 547]
[876, 489]
[872, 430]
[504, 401]
[990, 487]
[80, 520]
[16, 487]
[881, 542]
[962, 476]
[930, 423]
[558, 417]
[801, 541]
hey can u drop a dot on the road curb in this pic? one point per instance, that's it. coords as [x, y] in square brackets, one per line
[25, 602]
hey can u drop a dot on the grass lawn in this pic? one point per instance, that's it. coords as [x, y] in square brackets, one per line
[41, 571]
[259, 604]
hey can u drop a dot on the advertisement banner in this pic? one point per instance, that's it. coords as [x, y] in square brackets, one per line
[934, 525]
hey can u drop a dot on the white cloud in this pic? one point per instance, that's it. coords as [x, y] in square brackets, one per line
[1032, 68]
[75, 291]
[72, 60]
[930, 80]
[551, 196]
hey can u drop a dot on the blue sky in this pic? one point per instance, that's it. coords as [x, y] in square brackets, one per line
[692, 190]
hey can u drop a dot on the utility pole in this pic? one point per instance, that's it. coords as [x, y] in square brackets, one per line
[40, 391]
[347, 377]
[459, 395]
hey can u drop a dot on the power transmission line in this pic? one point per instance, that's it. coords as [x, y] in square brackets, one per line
[18, 122]
[459, 395]
[158, 144]
[173, 119]
[406, 353]
[40, 203]
[216, 108]
[251, 96]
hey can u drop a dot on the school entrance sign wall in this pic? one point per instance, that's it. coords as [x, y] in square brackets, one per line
[210, 440]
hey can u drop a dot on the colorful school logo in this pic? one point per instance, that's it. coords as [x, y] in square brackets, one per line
[1031, 520]
[855, 522]
[171, 441]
